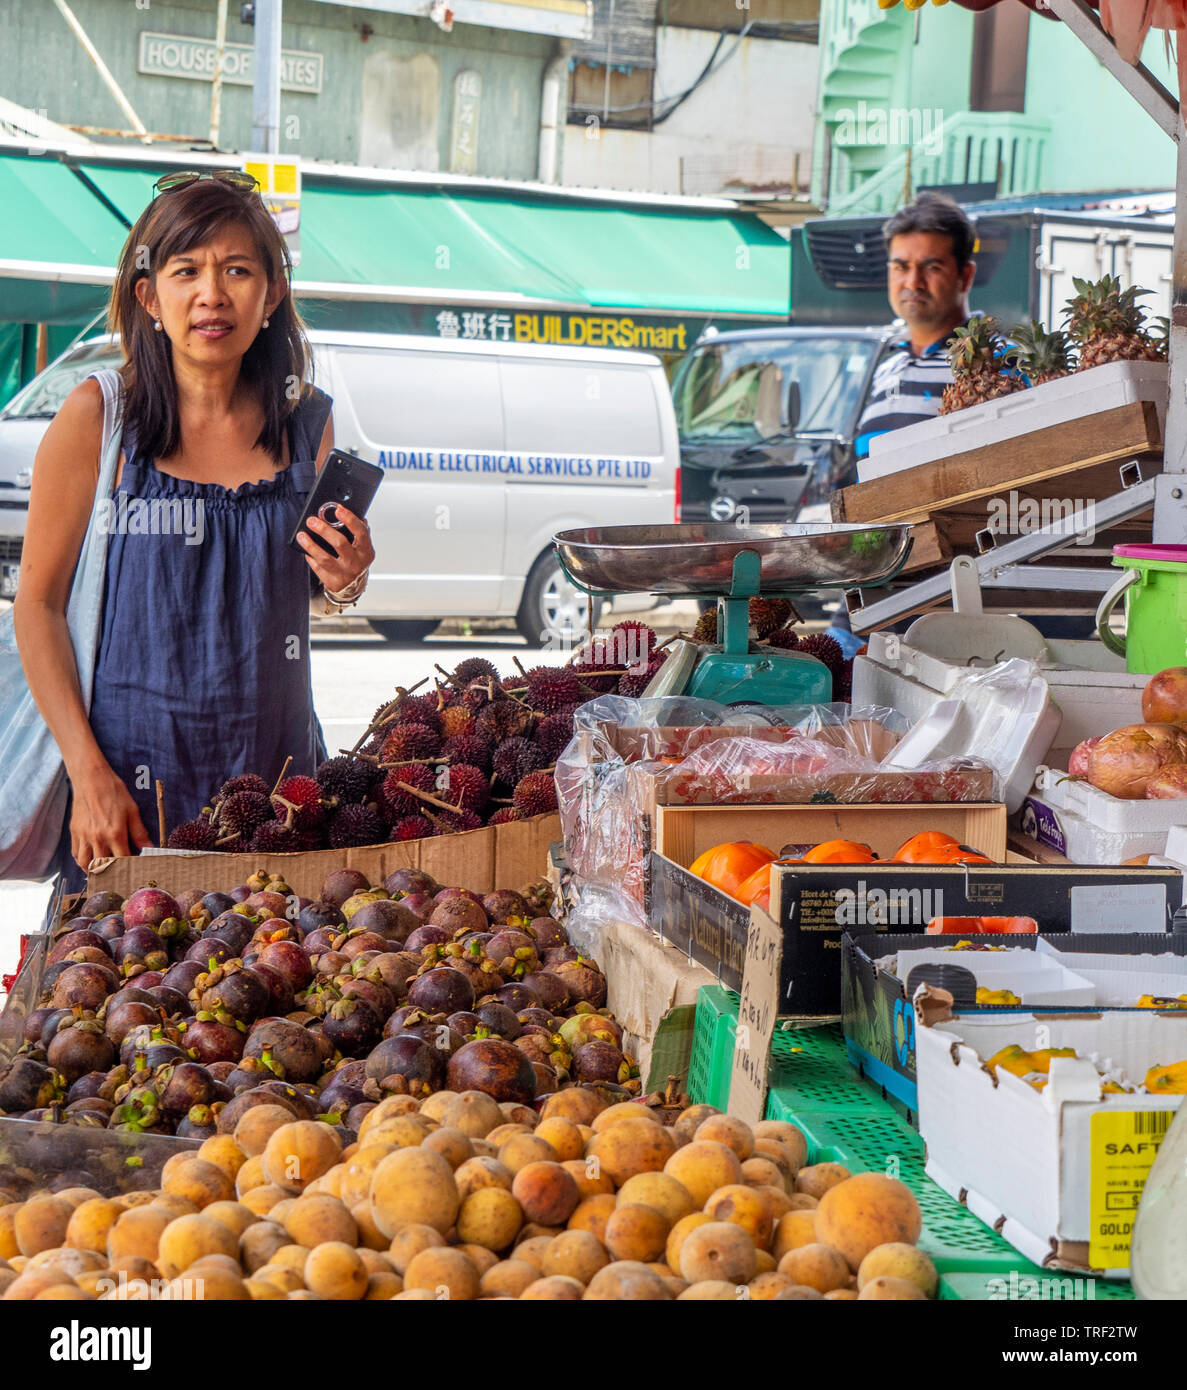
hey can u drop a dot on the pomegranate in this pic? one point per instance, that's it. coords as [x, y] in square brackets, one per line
[1164, 700]
[1123, 762]
[1169, 784]
[1077, 763]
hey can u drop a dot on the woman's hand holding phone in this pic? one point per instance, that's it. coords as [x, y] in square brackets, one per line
[350, 559]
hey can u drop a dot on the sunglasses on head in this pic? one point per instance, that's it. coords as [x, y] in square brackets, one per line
[238, 179]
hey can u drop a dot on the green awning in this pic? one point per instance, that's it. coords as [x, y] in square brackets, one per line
[58, 243]
[649, 259]
[559, 250]
[363, 234]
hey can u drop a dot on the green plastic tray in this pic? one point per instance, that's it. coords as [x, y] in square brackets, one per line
[810, 1069]
[847, 1120]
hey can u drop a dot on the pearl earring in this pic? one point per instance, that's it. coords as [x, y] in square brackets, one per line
[265, 323]
[157, 325]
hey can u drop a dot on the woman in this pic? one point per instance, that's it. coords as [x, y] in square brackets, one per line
[203, 666]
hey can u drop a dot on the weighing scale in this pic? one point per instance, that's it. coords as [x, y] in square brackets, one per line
[735, 564]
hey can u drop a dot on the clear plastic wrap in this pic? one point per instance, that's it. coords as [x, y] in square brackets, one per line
[629, 756]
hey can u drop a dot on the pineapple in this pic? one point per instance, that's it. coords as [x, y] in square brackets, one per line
[1160, 337]
[1107, 323]
[976, 367]
[1040, 356]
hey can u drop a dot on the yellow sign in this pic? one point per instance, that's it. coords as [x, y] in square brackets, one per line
[1124, 1145]
[279, 178]
[600, 330]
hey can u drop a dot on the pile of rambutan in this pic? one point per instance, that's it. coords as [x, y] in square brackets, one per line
[480, 749]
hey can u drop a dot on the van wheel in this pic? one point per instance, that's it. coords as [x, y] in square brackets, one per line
[404, 629]
[553, 606]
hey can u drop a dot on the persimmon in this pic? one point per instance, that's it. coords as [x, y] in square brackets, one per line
[972, 926]
[926, 842]
[959, 855]
[840, 852]
[728, 866]
[751, 887]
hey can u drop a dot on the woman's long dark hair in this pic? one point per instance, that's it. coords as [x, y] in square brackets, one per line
[277, 364]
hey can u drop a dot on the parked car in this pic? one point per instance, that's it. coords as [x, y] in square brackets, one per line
[767, 420]
[489, 449]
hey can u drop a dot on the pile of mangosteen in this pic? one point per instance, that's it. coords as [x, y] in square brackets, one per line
[164, 1015]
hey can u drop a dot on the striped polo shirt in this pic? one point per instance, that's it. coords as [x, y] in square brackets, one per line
[906, 388]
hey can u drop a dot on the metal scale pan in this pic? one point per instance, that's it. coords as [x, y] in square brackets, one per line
[700, 559]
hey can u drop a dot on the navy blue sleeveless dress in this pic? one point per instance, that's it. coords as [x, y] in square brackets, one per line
[203, 669]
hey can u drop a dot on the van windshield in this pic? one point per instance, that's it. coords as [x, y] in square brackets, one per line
[43, 397]
[740, 391]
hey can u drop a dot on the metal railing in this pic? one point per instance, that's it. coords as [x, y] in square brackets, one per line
[1004, 148]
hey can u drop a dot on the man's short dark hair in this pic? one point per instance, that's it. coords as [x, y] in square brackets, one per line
[932, 212]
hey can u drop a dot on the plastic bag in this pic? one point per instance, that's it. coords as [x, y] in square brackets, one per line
[628, 756]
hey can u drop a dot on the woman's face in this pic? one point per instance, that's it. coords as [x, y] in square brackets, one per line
[212, 299]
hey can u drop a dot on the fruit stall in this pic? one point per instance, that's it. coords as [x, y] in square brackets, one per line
[739, 966]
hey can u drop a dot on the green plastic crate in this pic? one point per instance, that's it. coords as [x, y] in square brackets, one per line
[979, 1286]
[846, 1120]
[700, 1059]
[809, 1067]
[954, 1238]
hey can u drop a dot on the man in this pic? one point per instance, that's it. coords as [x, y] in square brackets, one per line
[930, 268]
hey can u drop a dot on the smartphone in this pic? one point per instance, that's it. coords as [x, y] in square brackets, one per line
[344, 480]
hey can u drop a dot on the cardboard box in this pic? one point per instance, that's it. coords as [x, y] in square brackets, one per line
[1057, 1172]
[711, 927]
[652, 989]
[496, 856]
[879, 1021]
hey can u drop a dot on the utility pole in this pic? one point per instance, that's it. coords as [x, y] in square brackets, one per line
[216, 85]
[265, 89]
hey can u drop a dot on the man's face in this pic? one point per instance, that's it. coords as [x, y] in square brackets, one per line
[926, 286]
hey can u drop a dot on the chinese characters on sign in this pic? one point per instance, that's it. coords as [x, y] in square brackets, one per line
[463, 144]
[572, 330]
[473, 324]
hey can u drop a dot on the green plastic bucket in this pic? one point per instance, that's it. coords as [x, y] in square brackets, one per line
[1154, 586]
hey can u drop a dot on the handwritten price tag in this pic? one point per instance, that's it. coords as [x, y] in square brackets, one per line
[757, 1014]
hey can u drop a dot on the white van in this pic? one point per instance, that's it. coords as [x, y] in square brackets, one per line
[489, 449]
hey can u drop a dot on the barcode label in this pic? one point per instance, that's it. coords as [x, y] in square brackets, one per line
[1152, 1121]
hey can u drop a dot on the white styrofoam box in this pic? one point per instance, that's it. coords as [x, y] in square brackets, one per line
[1002, 714]
[1121, 980]
[1009, 417]
[1024, 1156]
[1036, 979]
[1090, 685]
[1092, 826]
